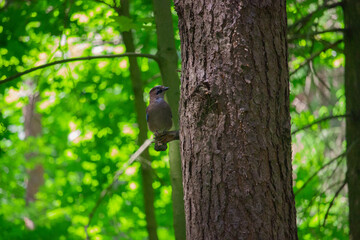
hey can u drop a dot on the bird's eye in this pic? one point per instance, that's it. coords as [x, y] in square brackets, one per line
[158, 91]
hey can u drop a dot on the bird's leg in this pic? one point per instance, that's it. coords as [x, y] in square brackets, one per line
[168, 136]
[159, 145]
[162, 138]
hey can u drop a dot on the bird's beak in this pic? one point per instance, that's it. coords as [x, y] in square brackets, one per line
[165, 89]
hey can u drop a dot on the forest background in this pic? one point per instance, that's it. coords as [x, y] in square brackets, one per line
[67, 129]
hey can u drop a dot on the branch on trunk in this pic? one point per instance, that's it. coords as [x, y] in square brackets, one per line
[162, 140]
[78, 59]
[119, 172]
[302, 22]
[319, 121]
[314, 56]
[333, 200]
[312, 34]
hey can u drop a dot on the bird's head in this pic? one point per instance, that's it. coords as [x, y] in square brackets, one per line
[158, 92]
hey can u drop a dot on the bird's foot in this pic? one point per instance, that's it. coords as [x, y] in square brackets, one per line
[161, 139]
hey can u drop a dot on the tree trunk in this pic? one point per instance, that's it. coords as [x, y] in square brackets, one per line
[235, 120]
[140, 108]
[168, 63]
[32, 127]
[352, 93]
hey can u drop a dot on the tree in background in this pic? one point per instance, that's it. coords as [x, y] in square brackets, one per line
[316, 53]
[235, 120]
[352, 93]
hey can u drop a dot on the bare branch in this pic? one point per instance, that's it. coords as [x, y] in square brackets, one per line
[319, 121]
[119, 172]
[315, 55]
[333, 200]
[302, 22]
[154, 57]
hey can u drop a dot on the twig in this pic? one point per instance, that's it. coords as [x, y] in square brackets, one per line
[314, 56]
[154, 57]
[333, 200]
[104, 192]
[319, 78]
[319, 121]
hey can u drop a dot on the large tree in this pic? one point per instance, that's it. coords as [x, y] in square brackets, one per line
[235, 122]
[352, 92]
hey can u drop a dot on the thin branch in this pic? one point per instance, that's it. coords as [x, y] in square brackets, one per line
[154, 57]
[312, 34]
[314, 56]
[321, 168]
[319, 121]
[348, 150]
[317, 195]
[119, 172]
[319, 78]
[333, 200]
[302, 22]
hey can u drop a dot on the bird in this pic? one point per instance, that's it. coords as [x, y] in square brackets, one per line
[158, 113]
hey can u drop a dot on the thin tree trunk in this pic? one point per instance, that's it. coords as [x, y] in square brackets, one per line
[168, 63]
[32, 127]
[352, 93]
[235, 120]
[140, 108]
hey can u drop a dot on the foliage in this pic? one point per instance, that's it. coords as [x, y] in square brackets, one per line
[317, 91]
[88, 122]
[89, 129]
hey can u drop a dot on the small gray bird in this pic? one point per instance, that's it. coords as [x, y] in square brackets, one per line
[158, 113]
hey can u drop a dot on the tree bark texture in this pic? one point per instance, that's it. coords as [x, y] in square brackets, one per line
[352, 93]
[140, 108]
[235, 120]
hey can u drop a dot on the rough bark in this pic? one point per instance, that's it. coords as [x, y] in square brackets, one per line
[235, 121]
[352, 93]
[168, 63]
[32, 127]
[140, 108]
